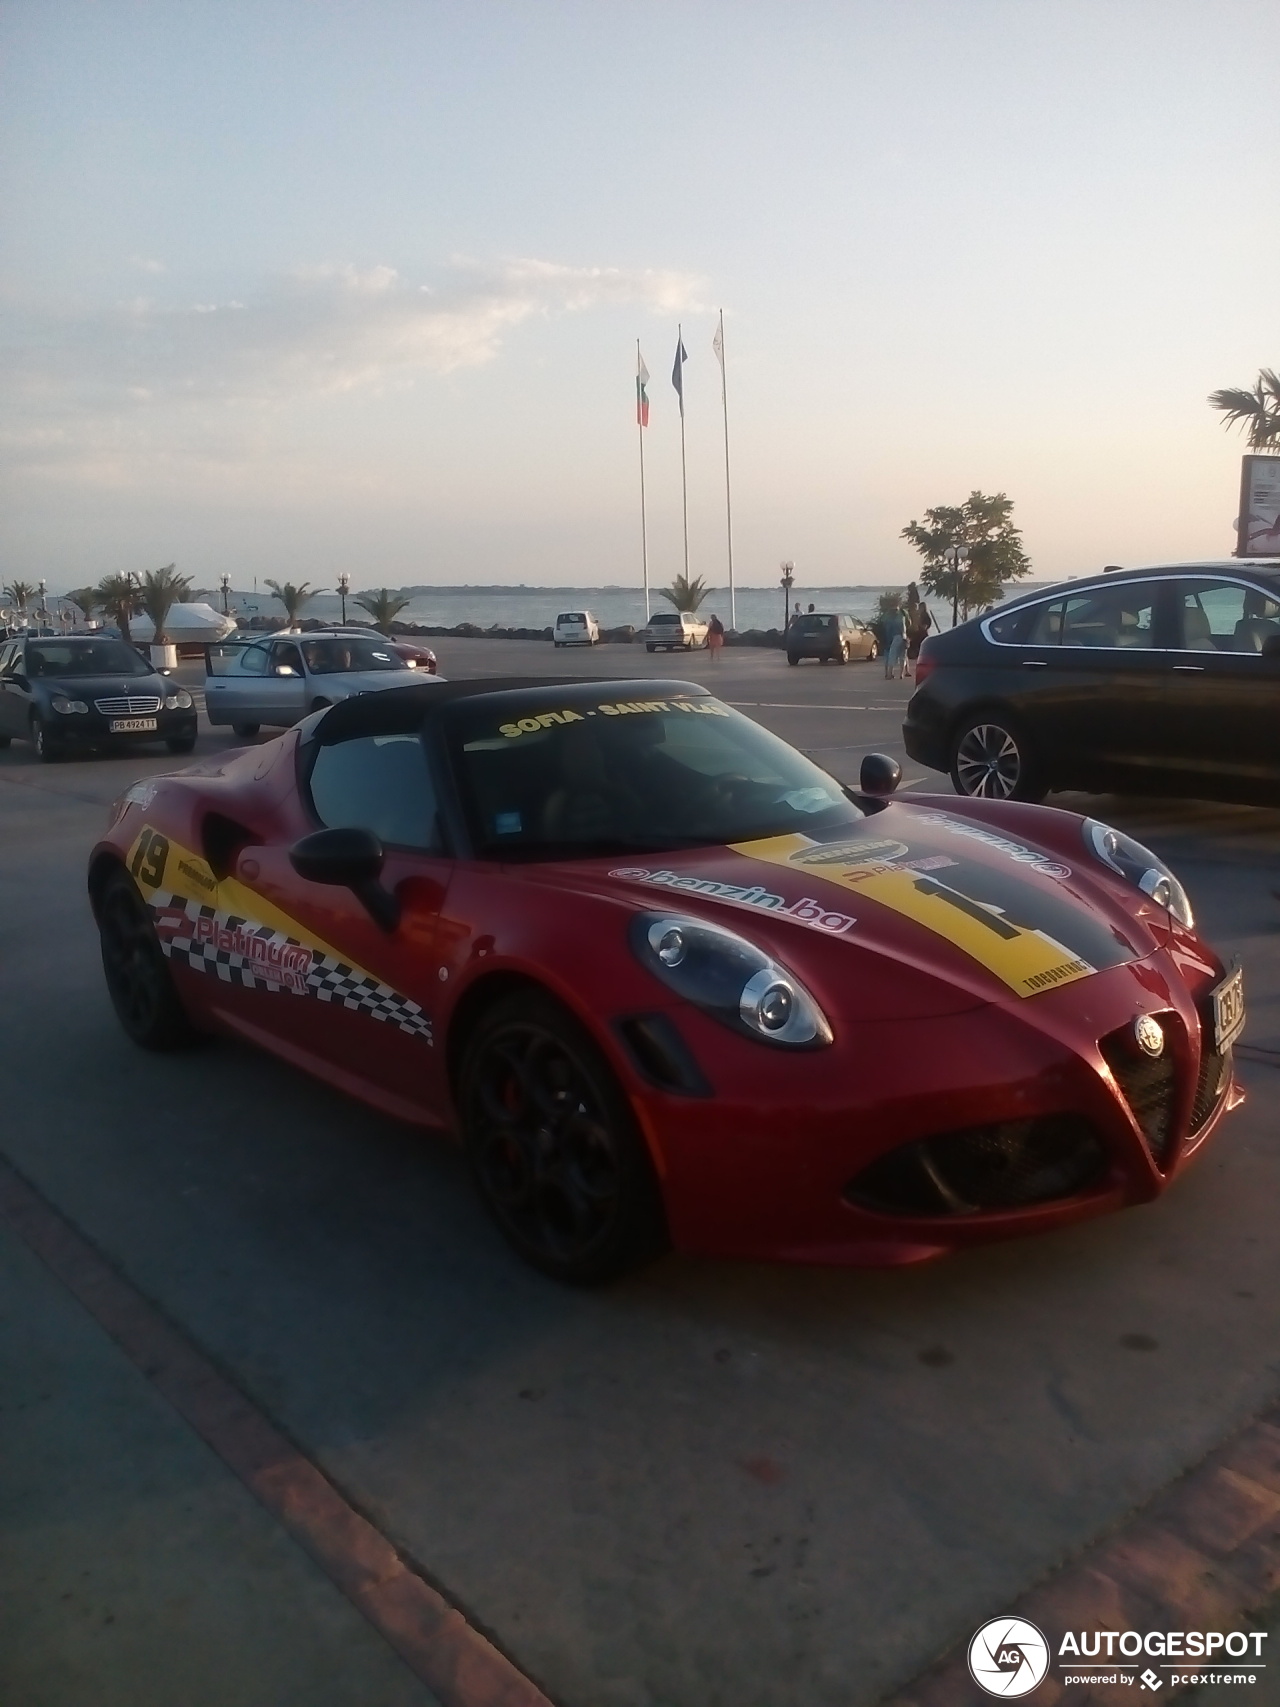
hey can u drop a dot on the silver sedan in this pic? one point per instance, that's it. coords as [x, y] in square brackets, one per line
[281, 678]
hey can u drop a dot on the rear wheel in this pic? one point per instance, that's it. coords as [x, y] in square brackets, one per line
[245, 729]
[793, 658]
[650, 648]
[48, 748]
[181, 744]
[139, 982]
[992, 759]
[874, 652]
[842, 656]
[553, 1145]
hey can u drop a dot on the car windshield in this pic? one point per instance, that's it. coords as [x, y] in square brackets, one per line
[85, 658]
[335, 657]
[559, 776]
[814, 624]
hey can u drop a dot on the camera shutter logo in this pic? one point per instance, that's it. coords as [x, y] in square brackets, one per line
[1008, 1657]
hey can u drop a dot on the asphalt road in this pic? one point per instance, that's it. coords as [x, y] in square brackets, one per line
[716, 1485]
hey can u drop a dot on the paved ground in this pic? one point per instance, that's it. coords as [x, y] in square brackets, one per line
[716, 1484]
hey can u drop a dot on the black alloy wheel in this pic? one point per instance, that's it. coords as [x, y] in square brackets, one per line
[138, 979]
[793, 657]
[991, 759]
[553, 1146]
[48, 748]
[245, 730]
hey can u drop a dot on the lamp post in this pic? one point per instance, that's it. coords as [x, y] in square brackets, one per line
[344, 587]
[954, 556]
[225, 584]
[788, 581]
[44, 612]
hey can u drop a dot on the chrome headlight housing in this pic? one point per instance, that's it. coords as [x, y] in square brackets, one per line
[1139, 866]
[733, 980]
[180, 700]
[66, 706]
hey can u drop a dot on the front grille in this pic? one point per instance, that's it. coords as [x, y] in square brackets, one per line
[1008, 1166]
[129, 705]
[1149, 1085]
[1211, 1086]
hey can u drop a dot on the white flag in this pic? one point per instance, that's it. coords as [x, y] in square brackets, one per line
[717, 344]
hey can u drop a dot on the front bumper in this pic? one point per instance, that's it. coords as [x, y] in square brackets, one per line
[93, 729]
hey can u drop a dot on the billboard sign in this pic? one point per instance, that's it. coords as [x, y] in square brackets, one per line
[1258, 526]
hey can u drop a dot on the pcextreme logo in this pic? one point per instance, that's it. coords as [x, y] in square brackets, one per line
[1008, 1657]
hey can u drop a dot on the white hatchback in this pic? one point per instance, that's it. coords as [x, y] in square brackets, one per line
[576, 628]
[672, 630]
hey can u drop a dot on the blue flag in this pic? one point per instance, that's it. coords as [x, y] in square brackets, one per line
[677, 372]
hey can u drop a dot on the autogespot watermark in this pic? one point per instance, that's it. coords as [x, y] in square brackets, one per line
[1009, 1657]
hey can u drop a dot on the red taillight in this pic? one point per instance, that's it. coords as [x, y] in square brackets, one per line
[925, 666]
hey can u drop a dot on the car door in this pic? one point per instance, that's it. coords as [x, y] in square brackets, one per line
[284, 686]
[1089, 681]
[236, 696]
[374, 992]
[7, 651]
[15, 693]
[1224, 688]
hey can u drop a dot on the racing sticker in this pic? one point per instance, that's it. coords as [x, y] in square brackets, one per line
[806, 911]
[1017, 937]
[219, 928]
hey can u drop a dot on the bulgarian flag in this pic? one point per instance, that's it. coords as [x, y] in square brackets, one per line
[642, 395]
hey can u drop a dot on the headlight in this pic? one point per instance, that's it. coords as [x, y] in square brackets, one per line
[179, 701]
[66, 706]
[731, 978]
[1139, 866]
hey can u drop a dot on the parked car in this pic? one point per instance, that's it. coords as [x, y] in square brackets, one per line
[1145, 681]
[673, 630]
[75, 692]
[832, 637]
[421, 657]
[576, 628]
[280, 678]
[665, 980]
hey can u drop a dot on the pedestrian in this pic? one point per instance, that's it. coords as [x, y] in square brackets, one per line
[917, 633]
[811, 607]
[715, 637]
[895, 628]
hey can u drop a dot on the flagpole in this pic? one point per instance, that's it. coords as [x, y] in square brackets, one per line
[644, 526]
[684, 478]
[728, 504]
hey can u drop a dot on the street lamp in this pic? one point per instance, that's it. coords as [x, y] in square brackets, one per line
[955, 555]
[226, 593]
[44, 613]
[344, 587]
[788, 581]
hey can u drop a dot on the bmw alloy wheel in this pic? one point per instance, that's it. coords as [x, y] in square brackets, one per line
[988, 764]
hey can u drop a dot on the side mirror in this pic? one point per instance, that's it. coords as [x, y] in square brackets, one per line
[348, 859]
[1271, 646]
[879, 775]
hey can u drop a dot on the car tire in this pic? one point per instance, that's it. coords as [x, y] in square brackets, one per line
[47, 750]
[321, 704]
[651, 648]
[181, 744]
[553, 1146]
[842, 656]
[874, 653]
[992, 758]
[245, 730]
[139, 982]
[793, 658]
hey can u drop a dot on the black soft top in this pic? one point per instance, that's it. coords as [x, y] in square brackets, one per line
[398, 710]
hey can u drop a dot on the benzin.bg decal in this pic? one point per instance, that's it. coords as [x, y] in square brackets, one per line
[227, 931]
[806, 911]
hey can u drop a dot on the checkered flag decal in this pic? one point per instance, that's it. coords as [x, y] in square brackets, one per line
[259, 958]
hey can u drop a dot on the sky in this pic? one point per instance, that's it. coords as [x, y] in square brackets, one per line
[288, 289]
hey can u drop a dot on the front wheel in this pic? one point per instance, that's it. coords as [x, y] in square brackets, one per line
[992, 759]
[245, 730]
[651, 648]
[874, 653]
[139, 983]
[793, 658]
[48, 750]
[553, 1145]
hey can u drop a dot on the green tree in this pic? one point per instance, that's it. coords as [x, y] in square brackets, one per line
[162, 588]
[983, 525]
[383, 607]
[685, 594]
[18, 593]
[1257, 410]
[86, 597]
[888, 602]
[118, 596]
[293, 598]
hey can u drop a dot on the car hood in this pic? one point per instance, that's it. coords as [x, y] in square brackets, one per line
[102, 687]
[944, 912]
[342, 684]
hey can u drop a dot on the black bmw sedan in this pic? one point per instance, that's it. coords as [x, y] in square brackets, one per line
[1139, 681]
[70, 692]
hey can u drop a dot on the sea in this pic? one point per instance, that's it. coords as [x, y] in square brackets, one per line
[538, 607]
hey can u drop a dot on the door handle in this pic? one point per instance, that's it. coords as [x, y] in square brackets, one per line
[1189, 669]
[1035, 664]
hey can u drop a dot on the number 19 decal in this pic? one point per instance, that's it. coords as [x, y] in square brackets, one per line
[149, 858]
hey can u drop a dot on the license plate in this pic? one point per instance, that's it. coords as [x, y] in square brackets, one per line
[1228, 1010]
[132, 725]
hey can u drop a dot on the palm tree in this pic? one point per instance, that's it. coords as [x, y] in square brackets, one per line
[162, 588]
[1258, 409]
[85, 597]
[18, 592]
[118, 596]
[293, 598]
[383, 607]
[685, 594]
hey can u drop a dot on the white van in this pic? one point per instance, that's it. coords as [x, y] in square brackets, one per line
[672, 630]
[576, 628]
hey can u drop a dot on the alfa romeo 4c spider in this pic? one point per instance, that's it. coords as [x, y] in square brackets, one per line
[668, 982]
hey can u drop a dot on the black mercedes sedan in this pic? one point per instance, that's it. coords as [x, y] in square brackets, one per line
[64, 693]
[1136, 681]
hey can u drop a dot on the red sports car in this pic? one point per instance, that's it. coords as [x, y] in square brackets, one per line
[666, 980]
